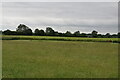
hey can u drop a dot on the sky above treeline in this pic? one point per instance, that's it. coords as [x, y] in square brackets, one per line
[62, 16]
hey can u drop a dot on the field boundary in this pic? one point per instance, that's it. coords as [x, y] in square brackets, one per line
[112, 40]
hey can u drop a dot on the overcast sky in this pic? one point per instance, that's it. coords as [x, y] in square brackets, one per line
[62, 16]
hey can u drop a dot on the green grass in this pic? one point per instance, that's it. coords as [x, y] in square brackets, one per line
[115, 40]
[0, 59]
[59, 59]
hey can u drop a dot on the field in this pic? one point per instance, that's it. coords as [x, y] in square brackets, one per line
[114, 40]
[59, 59]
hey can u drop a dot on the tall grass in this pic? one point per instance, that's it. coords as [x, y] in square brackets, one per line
[59, 59]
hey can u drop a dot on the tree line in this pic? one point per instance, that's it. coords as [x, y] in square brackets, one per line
[25, 30]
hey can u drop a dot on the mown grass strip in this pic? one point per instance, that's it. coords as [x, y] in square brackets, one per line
[114, 40]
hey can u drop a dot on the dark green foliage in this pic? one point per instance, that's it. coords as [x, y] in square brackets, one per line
[94, 33]
[61, 34]
[108, 35]
[118, 34]
[9, 32]
[114, 36]
[28, 32]
[77, 33]
[42, 33]
[100, 36]
[36, 32]
[39, 32]
[83, 35]
[56, 33]
[0, 32]
[68, 34]
[50, 31]
[24, 30]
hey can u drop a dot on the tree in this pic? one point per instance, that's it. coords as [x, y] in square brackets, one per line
[61, 34]
[83, 35]
[100, 36]
[114, 36]
[28, 32]
[0, 32]
[107, 35]
[68, 33]
[77, 33]
[118, 34]
[94, 33]
[37, 32]
[23, 30]
[56, 33]
[7, 32]
[42, 33]
[50, 31]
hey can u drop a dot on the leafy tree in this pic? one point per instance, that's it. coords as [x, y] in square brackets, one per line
[42, 33]
[37, 32]
[61, 34]
[68, 33]
[114, 36]
[77, 33]
[100, 36]
[94, 33]
[118, 34]
[83, 35]
[7, 32]
[23, 30]
[107, 35]
[0, 32]
[50, 31]
[56, 33]
[28, 32]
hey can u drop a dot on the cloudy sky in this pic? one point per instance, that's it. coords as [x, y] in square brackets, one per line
[62, 16]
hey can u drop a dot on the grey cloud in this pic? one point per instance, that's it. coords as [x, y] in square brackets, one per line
[83, 16]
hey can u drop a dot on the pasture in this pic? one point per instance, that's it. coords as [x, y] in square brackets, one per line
[59, 59]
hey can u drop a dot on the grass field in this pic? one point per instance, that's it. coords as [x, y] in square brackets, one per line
[12, 37]
[59, 59]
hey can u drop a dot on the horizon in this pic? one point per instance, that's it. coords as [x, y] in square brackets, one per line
[61, 32]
